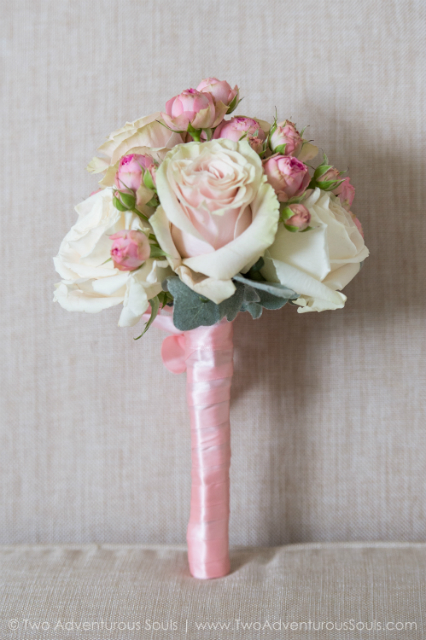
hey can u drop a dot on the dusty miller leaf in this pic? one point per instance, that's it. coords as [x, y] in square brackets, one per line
[253, 308]
[191, 310]
[274, 288]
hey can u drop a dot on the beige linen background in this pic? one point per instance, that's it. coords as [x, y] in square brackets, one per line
[328, 413]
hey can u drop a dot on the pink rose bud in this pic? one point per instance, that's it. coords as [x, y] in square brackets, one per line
[346, 193]
[286, 133]
[131, 169]
[129, 249]
[287, 175]
[219, 89]
[300, 218]
[330, 175]
[191, 107]
[240, 126]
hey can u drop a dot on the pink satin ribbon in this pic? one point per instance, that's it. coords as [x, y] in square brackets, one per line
[206, 354]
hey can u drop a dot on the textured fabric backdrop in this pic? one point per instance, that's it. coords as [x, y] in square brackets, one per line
[366, 587]
[328, 410]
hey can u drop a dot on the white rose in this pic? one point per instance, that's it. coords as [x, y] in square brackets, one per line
[90, 280]
[320, 261]
[217, 215]
[143, 136]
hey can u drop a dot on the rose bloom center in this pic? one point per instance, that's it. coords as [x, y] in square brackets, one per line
[214, 194]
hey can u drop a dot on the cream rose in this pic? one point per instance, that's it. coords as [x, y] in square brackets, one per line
[144, 136]
[321, 261]
[217, 214]
[91, 282]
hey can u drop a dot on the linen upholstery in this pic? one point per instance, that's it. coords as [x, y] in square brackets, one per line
[327, 414]
[322, 583]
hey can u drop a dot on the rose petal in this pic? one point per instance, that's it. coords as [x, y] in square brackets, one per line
[315, 295]
[211, 288]
[247, 248]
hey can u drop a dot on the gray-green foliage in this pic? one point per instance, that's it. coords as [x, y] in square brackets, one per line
[192, 310]
[270, 295]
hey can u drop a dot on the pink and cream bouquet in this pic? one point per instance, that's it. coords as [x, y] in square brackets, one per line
[201, 215]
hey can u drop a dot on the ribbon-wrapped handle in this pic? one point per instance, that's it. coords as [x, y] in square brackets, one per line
[209, 366]
[206, 354]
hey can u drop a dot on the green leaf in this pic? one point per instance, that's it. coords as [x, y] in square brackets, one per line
[167, 127]
[329, 185]
[266, 142]
[148, 181]
[250, 294]
[270, 301]
[209, 133]
[118, 205]
[255, 275]
[154, 202]
[141, 215]
[128, 199]
[253, 308]
[321, 169]
[195, 133]
[286, 213]
[296, 200]
[273, 128]
[156, 252]
[280, 149]
[291, 228]
[155, 305]
[258, 266]
[234, 104]
[165, 298]
[256, 299]
[230, 307]
[275, 288]
[192, 310]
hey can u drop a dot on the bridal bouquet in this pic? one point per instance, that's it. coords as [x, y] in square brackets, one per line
[201, 215]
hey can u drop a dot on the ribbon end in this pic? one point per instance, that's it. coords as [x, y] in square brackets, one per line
[173, 353]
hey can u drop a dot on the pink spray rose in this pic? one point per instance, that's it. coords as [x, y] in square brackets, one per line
[129, 249]
[346, 193]
[286, 133]
[235, 128]
[130, 171]
[330, 175]
[194, 108]
[345, 190]
[300, 218]
[288, 176]
[219, 89]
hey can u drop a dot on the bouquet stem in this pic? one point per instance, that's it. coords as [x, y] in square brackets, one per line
[209, 365]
